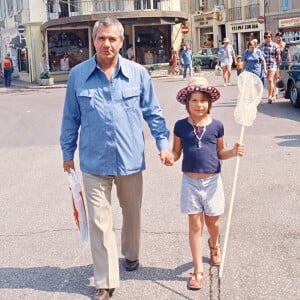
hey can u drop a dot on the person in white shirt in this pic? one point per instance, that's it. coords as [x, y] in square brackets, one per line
[130, 52]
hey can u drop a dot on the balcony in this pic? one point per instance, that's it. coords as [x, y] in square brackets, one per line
[234, 14]
[251, 11]
[68, 8]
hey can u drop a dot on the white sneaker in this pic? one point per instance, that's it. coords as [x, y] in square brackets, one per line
[228, 83]
[225, 84]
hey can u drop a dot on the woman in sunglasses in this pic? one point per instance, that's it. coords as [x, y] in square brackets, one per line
[272, 57]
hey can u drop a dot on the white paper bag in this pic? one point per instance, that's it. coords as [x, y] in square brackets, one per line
[218, 70]
[78, 204]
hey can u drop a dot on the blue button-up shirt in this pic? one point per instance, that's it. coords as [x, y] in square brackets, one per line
[109, 115]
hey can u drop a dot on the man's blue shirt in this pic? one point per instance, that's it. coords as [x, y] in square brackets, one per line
[108, 114]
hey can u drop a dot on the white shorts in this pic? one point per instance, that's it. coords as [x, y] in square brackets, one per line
[227, 62]
[202, 195]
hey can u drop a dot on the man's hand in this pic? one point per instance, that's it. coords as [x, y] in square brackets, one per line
[69, 165]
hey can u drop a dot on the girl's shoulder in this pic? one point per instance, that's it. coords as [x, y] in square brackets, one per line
[182, 122]
[216, 122]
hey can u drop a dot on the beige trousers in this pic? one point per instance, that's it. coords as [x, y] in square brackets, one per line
[102, 237]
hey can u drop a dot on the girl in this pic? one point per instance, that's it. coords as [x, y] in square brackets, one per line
[200, 138]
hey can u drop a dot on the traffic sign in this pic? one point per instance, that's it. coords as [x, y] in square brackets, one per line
[21, 28]
[184, 29]
[261, 19]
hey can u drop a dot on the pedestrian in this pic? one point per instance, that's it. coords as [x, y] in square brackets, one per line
[44, 65]
[186, 56]
[130, 52]
[254, 60]
[239, 65]
[200, 138]
[281, 44]
[272, 56]
[7, 70]
[104, 98]
[226, 57]
[174, 63]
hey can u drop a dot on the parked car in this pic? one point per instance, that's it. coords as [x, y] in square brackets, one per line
[207, 57]
[290, 72]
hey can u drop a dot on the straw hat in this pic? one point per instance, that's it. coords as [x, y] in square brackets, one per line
[198, 84]
[226, 40]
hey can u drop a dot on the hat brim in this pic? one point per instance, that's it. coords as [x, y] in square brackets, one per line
[208, 89]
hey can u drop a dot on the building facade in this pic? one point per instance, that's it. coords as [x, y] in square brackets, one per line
[284, 16]
[63, 30]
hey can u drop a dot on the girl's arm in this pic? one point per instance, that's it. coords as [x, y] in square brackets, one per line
[177, 147]
[238, 149]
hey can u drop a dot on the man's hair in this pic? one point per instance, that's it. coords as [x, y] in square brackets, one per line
[107, 22]
[268, 33]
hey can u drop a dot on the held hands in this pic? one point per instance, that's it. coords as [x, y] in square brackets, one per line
[166, 157]
[238, 149]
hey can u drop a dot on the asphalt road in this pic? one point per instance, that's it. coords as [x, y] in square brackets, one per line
[43, 257]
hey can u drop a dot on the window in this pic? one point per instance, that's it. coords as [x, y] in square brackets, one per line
[19, 5]
[10, 7]
[67, 42]
[285, 5]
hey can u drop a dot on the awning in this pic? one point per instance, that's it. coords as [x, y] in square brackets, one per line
[18, 42]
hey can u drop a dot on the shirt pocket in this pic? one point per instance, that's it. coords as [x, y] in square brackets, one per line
[131, 98]
[86, 99]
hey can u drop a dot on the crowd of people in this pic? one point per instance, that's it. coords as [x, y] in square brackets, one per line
[262, 60]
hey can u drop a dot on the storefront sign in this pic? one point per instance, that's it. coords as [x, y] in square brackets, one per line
[292, 22]
[244, 27]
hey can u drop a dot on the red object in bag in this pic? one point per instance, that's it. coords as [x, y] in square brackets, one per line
[78, 204]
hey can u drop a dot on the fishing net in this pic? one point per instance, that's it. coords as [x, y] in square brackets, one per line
[250, 93]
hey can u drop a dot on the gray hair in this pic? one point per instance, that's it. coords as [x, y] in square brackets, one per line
[107, 22]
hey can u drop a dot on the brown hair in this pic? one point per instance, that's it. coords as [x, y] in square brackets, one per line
[268, 33]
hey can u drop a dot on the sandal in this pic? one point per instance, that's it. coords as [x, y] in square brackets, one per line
[195, 282]
[215, 255]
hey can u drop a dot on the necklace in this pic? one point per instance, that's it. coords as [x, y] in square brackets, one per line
[199, 138]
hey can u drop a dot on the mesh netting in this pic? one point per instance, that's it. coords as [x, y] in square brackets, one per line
[250, 93]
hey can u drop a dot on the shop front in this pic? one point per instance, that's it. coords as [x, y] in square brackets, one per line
[241, 33]
[152, 44]
[290, 28]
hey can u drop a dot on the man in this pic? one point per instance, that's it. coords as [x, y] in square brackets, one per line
[104, 98]
[272, 57]
[186, 56]
[226, 56]
[7, 70]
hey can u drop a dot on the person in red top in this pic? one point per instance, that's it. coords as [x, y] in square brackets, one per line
[7, 67]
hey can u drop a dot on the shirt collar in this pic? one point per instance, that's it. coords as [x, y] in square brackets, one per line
[122, 67]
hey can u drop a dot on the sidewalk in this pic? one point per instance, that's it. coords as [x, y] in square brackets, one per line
[20, 84]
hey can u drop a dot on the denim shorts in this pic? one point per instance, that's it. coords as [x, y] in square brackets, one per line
[202, 195]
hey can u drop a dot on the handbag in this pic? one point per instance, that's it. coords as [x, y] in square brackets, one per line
[218, 70]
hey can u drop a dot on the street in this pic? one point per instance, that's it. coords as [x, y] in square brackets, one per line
[43, 257]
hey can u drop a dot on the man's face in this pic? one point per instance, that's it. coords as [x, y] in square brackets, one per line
[107, 42]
